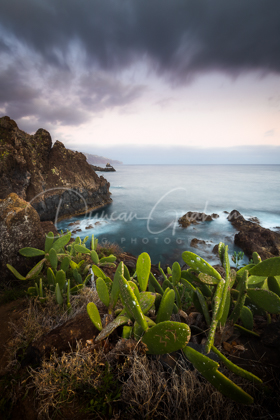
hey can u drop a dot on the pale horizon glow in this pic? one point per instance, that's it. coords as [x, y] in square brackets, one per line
[200, 76]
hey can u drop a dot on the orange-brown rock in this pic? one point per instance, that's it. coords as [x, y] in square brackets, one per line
[20, 227]
[57, 182]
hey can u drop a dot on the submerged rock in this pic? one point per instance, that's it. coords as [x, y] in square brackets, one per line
[58, 182]
[196, 242]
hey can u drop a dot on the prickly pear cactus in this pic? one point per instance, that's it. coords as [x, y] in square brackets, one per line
[131, 304]
[94, 315]
[143, 268]
[49, 241]
[199, 264]
[267, 268]
[31, 252]
[155, 284]
[166, 337]
[265, 299]
[176, 273]
[209, 369]
[102, 291]
[273, 285]
[166, 306]
[117, 322]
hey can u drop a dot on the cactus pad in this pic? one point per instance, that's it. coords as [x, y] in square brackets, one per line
[120, 320]
[166, 306]
[265, 299]
[102, 291]
[267, 268]
[94, 315]
[199, 264]
[166, 337]
[143, 268]
[209, 369]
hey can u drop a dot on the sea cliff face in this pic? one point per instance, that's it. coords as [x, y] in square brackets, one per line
[57, 182]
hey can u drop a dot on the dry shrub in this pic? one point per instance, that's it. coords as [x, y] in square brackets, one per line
[152, 392]
[109, 248]
[39, 319]
[78, 381]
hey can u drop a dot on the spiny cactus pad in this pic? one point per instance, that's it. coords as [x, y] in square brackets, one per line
[209, 369]
[102, 291]
[61, 242]
[31, 252]
[49, 241]
[53, 258]
[176, 273]
[267, 268]
[143, 268]
[166, 337]
[265, 299]
[94, 315]
[199, 264]
[131, 303]
[166, 307]
[120, 320]
[236, 369]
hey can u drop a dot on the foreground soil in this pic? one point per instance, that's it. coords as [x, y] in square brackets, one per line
[259, 355]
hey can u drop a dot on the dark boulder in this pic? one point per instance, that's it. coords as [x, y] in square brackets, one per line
[196, 242]
[254, 238]
[20, 227]
[193, 217]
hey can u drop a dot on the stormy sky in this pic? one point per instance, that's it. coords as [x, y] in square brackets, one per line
[146, 81]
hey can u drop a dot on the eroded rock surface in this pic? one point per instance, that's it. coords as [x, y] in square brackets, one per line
[254, 238]
[20, 227]
[55, 180]
[193, 217]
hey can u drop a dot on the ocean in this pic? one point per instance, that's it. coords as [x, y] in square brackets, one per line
[149, 199]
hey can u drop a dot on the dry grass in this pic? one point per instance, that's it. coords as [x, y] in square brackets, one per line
[109, 248]
[79, 381]
[39, 319]
[152, 392]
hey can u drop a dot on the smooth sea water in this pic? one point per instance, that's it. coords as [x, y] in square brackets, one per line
[149, 199]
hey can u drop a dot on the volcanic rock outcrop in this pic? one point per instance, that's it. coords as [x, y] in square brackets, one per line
[193, 217]
[254, 238]
[58, 182]
[20, 227]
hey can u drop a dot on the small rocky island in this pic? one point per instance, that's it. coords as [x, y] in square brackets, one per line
[193, 218]
[108, 168]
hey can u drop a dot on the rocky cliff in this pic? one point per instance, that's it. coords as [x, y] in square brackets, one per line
[56, 181]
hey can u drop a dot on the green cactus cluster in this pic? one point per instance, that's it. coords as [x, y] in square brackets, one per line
[61, 269]
[144, 308]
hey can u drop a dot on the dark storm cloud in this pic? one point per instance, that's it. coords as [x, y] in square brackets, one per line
[62, 60]
[178, 36]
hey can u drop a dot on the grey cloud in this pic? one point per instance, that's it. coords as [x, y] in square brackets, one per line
[178, 37]
[99, 91]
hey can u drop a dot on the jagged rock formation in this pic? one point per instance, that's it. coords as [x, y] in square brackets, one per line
[20, 227]
[254, 238]
[56, 181]
[193, 217]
